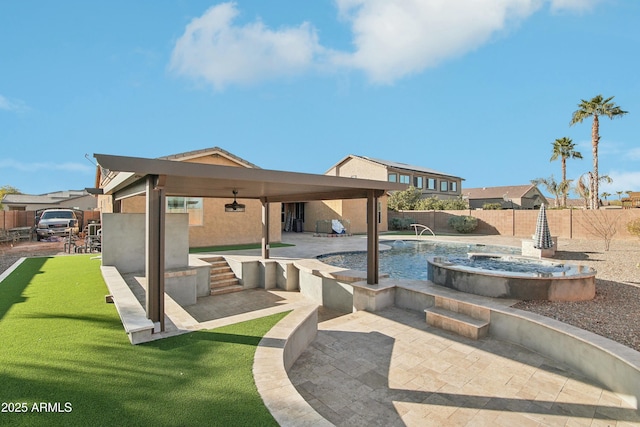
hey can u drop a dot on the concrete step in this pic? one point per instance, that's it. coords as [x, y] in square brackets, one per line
[472, 310]
[224, 282]
[226, 290]
[215, 277]
[213, 259]
[220, 269]
[458, 323]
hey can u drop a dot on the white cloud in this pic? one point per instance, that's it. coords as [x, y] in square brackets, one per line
[395, 38]
[37, 166]
[573, 5]
[634, 154]
[622, 181]
[391, 39]
[12, 105]
[213, 49]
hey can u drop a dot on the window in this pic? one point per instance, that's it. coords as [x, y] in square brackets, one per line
[453, 186]
[444, 186]
[431, 184]
[190, 205]
[393, 177]
[405, 179]
[417, 181]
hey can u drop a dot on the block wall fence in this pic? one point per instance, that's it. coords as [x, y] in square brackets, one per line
[565, 223]
[13, 219]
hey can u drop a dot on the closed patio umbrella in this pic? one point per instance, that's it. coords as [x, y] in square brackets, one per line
[542, 238]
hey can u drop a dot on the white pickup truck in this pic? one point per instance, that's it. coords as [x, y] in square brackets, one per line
[57, 222]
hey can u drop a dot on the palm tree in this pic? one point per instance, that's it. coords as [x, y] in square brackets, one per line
[596, 107]
[564, 148]
[553, 187]
[584, 187]
[619, 193]
[604, 195]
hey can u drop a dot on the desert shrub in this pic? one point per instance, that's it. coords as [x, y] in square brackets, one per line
[463, 224]
[404, 200]
[633, 227]
[492, 206]
[401, 223]
[434, 204]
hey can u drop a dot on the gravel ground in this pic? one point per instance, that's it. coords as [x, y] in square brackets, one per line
[9, 254]
[614, 312]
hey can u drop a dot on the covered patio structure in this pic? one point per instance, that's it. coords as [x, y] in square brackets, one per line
[157, 179]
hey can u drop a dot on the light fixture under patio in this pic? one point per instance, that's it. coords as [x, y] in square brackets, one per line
[235, 206]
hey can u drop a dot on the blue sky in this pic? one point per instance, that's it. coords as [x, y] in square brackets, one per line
[478, 89]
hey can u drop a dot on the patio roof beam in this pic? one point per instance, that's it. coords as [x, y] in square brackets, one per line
[137, 188]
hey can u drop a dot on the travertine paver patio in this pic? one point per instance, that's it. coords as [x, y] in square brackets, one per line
[390, 368]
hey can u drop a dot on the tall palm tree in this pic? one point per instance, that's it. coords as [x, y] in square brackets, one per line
[596, 107]
[563, 149]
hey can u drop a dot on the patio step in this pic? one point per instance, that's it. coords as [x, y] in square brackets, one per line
[222, 280]
[463, 318]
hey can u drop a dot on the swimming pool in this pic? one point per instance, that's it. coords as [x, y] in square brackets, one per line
[407, 259]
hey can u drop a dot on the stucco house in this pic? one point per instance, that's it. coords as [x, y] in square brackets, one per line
[429, 181]
[510, 196]
[75, 199]
[209, 223]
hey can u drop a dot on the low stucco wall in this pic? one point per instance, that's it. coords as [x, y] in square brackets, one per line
[599, 358]
[574, 286]
[123, 241]
[276, 353]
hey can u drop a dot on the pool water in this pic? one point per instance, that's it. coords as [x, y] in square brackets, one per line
[407, 259]
[509, 264]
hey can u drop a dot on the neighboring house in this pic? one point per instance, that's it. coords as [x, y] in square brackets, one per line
[209, 224]
[510, 197]
[76, 199]
[633, 201]
[429, 181]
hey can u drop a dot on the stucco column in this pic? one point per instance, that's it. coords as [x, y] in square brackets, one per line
[265, 228]
[154, 248]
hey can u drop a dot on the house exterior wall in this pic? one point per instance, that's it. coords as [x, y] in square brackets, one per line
[354, 210]
[359, 168]
[321, 210]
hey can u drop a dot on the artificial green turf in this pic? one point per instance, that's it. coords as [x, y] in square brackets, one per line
[236, 247]
[62, 345]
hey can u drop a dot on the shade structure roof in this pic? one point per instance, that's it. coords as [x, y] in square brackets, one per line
[131, 176]
[205, 180]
